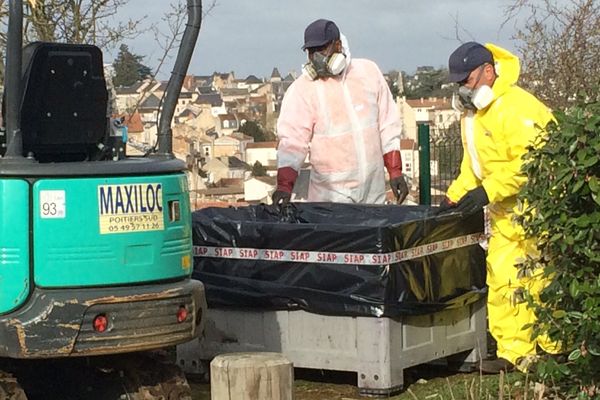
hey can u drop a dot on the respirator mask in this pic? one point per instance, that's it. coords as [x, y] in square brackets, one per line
[321, 66]
[473, 99]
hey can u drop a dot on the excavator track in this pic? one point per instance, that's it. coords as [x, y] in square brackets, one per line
[136, 376]
[154, 377]
[10, 388]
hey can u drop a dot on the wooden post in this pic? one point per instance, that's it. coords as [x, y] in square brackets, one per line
[251, 376]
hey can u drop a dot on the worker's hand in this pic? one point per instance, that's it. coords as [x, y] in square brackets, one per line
[473, 201]
[399, 188]
[281, 198]
[445, 206]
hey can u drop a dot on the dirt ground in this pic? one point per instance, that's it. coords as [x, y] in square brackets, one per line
[72, 381]
[79, 379]
[421, 383]
[425, 382]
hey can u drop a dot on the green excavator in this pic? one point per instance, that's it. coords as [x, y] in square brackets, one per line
[95, 245]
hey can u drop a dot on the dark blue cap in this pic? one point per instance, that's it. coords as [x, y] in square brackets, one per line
[465, 59]
[319, 33]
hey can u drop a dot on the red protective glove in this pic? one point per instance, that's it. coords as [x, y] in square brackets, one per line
[393, 163]
[286, 177]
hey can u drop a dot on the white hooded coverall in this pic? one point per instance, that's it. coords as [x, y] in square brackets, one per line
[346, 124]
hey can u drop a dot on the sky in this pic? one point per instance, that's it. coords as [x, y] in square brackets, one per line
[252, 37]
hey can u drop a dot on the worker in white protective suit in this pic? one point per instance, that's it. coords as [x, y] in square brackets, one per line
[341, 112]
[499, 122]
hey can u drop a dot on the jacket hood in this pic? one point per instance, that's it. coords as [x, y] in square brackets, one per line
[507, 67]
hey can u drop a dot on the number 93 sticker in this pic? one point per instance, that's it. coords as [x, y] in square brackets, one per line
[52, 204]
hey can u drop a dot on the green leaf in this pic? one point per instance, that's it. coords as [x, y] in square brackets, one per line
[573, 147]
[575, 314]
[582, 222]
[596, 197]
[594, 350]
[541, 369]
[574, 289]
[575, 354]
[592, 124]
[564, 369]
[590, 162]
[593, 184]
[581, 155]
[578, 185]
[559, 314]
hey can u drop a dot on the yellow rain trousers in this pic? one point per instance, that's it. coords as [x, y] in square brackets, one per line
[494, 140]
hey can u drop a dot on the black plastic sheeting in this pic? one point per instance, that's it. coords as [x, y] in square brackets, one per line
[423, 285]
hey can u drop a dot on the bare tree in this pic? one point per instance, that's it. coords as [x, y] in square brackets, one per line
[92, 22]
[175, 20]
[71, 21]
[559, 43]
[79, 21]
[168, 41]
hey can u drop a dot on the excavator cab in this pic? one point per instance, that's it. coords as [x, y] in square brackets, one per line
[64, 102]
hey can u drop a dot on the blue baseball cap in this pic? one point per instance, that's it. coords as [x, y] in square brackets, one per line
[319, 33]
[465, 59]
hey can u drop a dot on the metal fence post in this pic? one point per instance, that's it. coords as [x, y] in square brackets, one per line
[424, 165]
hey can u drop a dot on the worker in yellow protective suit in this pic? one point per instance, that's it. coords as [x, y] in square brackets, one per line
[341, 113]
[499, 121]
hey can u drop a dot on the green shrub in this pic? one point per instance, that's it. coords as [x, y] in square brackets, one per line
[562, 211]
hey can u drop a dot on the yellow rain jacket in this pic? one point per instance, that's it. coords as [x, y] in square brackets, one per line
[494, 141]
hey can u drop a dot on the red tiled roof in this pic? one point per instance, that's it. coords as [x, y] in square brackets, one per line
[227, 117]
[222, 191]
[133, 122]
[262, 145]
[430, 102]
[407, 144]
[258, 99]
[199, 205]
[230, 182]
